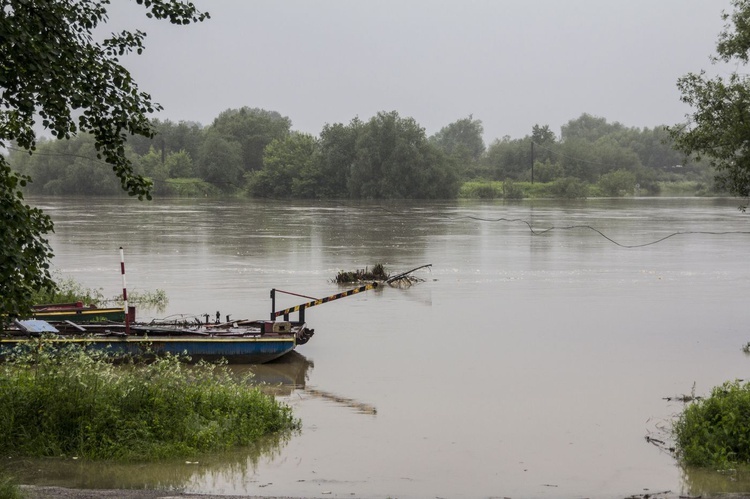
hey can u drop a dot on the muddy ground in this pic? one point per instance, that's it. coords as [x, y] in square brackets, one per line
[63, 493]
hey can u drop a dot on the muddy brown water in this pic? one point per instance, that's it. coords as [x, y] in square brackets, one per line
[523, 366]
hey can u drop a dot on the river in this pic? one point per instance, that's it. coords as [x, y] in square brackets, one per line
[525, 364]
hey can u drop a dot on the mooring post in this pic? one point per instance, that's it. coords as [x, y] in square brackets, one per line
[124, 291]
[273, 304]
[302, 314]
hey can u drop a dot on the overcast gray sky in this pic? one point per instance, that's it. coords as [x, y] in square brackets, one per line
[509, 63]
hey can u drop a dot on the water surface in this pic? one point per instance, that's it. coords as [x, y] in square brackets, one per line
[523, 366]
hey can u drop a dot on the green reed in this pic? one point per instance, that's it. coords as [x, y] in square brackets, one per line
[9, 489]
[76, 403]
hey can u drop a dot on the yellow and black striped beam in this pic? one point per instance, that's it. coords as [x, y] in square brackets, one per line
[321, 301]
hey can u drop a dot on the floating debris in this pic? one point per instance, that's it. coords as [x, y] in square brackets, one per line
[378, 273]
[405, 279]
[685, 398]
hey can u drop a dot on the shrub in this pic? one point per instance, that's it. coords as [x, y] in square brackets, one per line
[190, 188]
[70, 402]
[547, 171]
[511, 190]
[716, 431]
[617, 183]
[480, 190]
[569, 188]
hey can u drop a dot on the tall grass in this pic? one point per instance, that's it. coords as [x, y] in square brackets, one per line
[68, 290]
[9, 489]
[74, 403]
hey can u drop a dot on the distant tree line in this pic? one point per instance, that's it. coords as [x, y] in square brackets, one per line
[255, 151]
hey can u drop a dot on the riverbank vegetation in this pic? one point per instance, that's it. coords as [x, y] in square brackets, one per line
[255, 152]
[715, 431]
[74, 403]
[68, 290]
[9, 488]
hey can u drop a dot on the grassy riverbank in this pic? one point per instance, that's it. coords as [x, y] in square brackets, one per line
[9, 489]
[572, 188]
[76, 404]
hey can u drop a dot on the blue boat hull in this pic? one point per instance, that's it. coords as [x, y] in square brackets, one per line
[239, 342]
[238, 350]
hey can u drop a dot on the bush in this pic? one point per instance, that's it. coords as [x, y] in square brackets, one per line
[511, 190]
[617, 183]
[547, 171]
[480, 190]
[569, 188]
[716, 431]
[67, 402]
[189, 188]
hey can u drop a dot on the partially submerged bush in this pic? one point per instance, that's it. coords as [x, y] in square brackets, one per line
[70, 402]
[378, 273]
[715, 431]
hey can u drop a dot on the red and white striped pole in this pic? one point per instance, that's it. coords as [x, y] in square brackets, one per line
[124, 291]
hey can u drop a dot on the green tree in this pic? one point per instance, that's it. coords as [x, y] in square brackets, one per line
[394, 160]
[589, 128]
[544, 148]
[719, 124]
[24, 248]
[462, 140]
[543, 135]
[336, 152]
[253, 129]
[654, 147]
[286, 163]
[509, 158]
[547, 171]
[220, 162]
[155, 168]
[170, 137]
[68, 167]
[55, 74]
[180, 164]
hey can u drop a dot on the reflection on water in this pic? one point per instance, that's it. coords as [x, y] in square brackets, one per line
[279, 377]
[358, 406]
[288, 375]
[523, 361]
[178, 474]
[709, 482]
